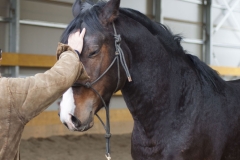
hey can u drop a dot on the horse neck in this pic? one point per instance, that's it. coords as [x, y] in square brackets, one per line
[159, 77]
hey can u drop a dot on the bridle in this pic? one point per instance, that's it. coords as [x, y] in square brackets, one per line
[119, 57]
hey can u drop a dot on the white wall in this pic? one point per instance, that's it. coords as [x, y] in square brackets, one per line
[42, 40]
[182, 17]
[228, 34]
[144, 6]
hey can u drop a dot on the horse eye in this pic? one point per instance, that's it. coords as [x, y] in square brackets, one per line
[93, 54]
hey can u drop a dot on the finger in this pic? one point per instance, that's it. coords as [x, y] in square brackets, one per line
[83, 33]
[70, 36]
[74, 34]
[77, 33]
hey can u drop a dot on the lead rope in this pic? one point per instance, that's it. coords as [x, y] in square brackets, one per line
[107, 126]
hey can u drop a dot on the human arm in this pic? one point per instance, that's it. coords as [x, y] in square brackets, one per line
[32, 95]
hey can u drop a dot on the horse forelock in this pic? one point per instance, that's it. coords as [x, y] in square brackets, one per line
[89, 14]
[86, 6]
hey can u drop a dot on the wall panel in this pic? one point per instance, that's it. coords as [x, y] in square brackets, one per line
[182, 17]
[39, 40]
[43, 11]
[181, 10]
[4, 27]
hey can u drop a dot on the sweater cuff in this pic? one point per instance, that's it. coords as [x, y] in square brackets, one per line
[78, 53]
[62, 48]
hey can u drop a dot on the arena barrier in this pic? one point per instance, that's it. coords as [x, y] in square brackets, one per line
[48, 123]
[47, 61]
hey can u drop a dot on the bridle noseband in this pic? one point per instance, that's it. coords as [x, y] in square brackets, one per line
[119, 57]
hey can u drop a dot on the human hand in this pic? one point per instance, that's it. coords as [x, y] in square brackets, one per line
[75, 40]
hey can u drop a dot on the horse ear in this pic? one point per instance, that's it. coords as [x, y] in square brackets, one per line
[76, 8]
[110, 11]
[81, 5]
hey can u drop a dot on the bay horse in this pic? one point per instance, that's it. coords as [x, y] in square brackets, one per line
[182, 109]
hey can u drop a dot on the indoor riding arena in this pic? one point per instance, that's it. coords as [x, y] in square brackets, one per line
[29, 34]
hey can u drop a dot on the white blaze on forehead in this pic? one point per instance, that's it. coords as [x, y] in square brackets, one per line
[67, 106]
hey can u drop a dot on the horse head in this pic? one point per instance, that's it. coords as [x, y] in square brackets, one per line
[101, 60]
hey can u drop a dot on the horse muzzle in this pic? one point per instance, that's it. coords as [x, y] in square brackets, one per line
[74, 124]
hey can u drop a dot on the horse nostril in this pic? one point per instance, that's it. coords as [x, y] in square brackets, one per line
[76, 121]
[65, 124]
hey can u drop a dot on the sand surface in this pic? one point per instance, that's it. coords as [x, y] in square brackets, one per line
[85, 147]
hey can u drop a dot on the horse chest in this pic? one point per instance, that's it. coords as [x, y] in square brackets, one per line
[173, 146]
[155, 152]
[168, 152]
[147, 145]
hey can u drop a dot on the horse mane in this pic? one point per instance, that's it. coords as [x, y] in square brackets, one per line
[207, 73]
[172, 43]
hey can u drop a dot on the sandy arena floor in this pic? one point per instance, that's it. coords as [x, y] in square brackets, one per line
[86, 147]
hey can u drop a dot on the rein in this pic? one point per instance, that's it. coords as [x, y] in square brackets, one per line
[119, 57]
